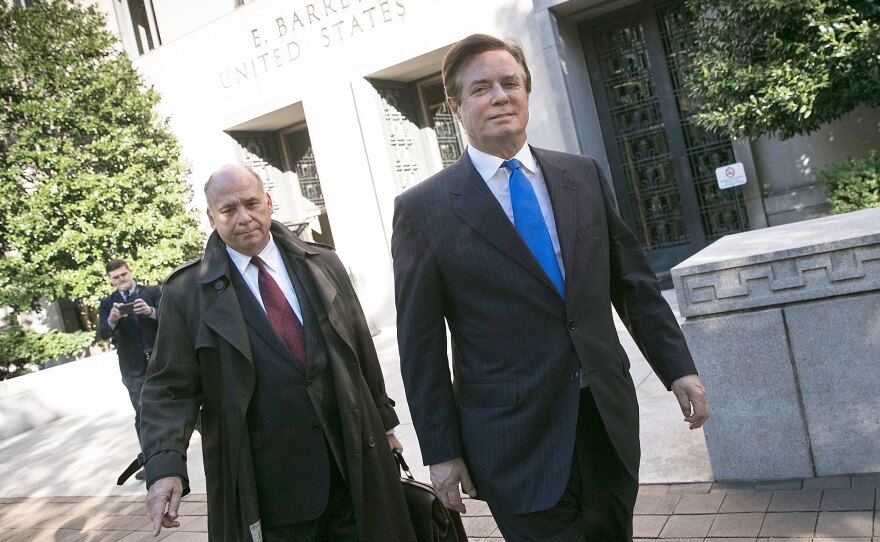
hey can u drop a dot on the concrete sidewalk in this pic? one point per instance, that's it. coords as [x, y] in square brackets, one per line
[57, 480]
[834, 509]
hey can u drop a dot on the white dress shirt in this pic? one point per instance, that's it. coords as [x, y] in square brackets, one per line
[275, 267]
[497, 178]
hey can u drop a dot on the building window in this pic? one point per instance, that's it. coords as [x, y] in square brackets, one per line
[401, 132]
[422, 134]
[301, 161]
[438, 117]
[137, 24]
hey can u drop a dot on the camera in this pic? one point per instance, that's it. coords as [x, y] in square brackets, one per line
[126, 308]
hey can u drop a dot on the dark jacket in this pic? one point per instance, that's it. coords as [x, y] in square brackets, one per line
[203, 357]
[134, 334]
[519, 349]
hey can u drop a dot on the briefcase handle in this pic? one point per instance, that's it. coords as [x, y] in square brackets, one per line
[401, 463]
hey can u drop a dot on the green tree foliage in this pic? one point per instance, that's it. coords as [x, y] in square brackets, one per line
[88, 171]
[852, 185]
[23, 351]
[783, 67]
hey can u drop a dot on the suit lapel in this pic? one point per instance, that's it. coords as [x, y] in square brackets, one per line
[327, 292]
[308, 303]
[320, 288]
[256, 318]
[475, 204]
[222, 311]
[562, 188]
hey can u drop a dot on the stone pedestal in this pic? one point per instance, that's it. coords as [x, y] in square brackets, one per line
[784, 325]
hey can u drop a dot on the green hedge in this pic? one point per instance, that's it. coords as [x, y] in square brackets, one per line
[852, 185]
[23, 352]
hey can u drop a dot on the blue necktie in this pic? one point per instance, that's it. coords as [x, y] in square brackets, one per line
[529, 222]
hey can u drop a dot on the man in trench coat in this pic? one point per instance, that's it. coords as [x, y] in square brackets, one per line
[294, 441]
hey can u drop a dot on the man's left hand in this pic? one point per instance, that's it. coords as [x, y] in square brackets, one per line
[141, 307]
[163, 502]
[394, 443]
[692, 399]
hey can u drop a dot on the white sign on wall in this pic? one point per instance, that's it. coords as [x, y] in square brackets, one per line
[730, 175]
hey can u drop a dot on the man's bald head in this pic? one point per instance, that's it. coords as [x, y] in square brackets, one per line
[225, 172]
[239, 208]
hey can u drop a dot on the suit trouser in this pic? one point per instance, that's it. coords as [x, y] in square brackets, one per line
[598, 502]
[336, 524]
[134, 385]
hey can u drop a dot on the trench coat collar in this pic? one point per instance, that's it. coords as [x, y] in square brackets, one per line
[300, 251]
[215, 263]
[224, 314]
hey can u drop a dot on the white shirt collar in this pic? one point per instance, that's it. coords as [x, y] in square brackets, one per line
[269, 254]
[487, 165]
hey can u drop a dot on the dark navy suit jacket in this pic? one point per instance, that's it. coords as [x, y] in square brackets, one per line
[518, 348]
[287, 433]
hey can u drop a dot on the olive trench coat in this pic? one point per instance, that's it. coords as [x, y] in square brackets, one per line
[203, 359]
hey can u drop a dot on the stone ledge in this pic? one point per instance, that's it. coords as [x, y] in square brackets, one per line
[804, 278]
[826, 257]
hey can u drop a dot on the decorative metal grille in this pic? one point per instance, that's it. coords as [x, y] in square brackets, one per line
[400, 133]
[721, 211]
[257, 153]
[309, 183]
[448, 136]
[303, 160]
[440, 118]
[639, 127]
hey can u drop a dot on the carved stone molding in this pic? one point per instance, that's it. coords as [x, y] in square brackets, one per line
[810, 260]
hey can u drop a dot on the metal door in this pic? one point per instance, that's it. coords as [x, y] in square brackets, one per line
[662, 164]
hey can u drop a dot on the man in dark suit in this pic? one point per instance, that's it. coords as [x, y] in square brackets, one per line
[266, 334]
[521, 253]
[129, 317]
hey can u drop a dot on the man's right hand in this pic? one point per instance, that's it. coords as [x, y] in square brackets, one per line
[163, 500]
[445, 478]
[115, 315]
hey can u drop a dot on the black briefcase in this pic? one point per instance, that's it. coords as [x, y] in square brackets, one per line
[431, 521]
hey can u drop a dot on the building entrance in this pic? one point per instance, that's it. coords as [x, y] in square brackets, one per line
[286, 163]
[662, 164]
[300, 160]
[422, 134]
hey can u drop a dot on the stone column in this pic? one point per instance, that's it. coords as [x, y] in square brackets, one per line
[784, 325]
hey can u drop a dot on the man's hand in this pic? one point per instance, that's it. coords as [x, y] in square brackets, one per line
[163, 500]
[394, 443]
[115, 315]
[445, 478]
[141, 307]
[692, 399]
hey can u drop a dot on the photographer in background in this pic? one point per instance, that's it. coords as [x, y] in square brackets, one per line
[130, 318]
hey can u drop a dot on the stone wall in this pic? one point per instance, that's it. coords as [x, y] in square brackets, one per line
[784, 324]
